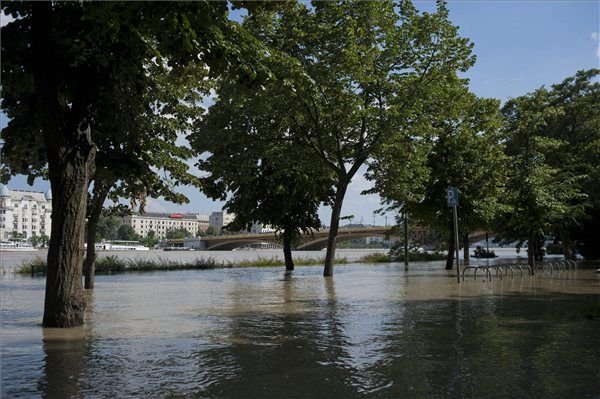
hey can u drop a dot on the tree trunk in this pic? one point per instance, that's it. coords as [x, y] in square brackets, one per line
[334, 227]
[451, 250]
[531, 251]
[99, 195]
[287, 250]
[466, 248]
[64, 302]
[70, 153]
[567, 247]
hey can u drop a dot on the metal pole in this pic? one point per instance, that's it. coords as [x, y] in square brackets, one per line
[405, 238]
[456, 243]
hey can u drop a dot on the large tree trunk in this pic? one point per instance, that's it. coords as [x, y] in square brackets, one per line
[69, 174]
[531, 244]
[287, 250]
[70, 152]
[334, 227]
[567, 246]
[451, 250]
[99, 195]
[466, 248]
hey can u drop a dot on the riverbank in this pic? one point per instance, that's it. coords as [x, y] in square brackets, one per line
[114, 264]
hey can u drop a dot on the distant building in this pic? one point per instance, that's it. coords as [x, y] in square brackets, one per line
[161, 223]
[218, 220]
[25, 212]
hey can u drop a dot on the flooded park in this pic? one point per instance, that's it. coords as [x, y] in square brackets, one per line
[373, 330]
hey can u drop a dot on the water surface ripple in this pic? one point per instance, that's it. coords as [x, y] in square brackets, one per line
[371, 331]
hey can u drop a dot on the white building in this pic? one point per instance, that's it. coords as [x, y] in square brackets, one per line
[218, 220]
[25, 212]
[160, 223]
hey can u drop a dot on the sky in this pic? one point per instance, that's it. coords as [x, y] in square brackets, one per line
[520, 46]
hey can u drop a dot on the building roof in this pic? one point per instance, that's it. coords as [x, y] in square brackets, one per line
[19, 195]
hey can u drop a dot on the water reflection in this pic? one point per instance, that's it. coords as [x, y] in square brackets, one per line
[64, 362]
[374, 331]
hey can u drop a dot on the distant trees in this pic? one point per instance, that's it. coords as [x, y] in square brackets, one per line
[150, 240]
[127, 233]
[107, 228]
[173, 234]
[551, 139]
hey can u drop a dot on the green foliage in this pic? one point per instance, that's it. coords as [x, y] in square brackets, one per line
[39, 241]
[150, 240]
[108, 227]
[454, 144]
[552, 140]
[343, 78]
[177, 234]
[114, 264]
[397, 255]
[210, 231]
[126, 232]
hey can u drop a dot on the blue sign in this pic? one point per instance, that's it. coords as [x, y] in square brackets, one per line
[452, 196]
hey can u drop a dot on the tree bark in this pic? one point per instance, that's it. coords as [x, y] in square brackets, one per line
[99, 195]
[70, 153]
[64, 301]
[287, 250]
[334, 227]
[451, 250]
[567, 247]
[466, 248]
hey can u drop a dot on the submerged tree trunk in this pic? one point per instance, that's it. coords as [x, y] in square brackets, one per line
[99, 195]
[287, 250]
[70, 154]
[334, 227]
[466, 248]
[69, 174]
[451, 250]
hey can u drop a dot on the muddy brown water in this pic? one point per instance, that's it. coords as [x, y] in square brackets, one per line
[370, 331]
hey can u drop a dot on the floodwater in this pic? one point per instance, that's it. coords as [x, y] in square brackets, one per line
[370, 331]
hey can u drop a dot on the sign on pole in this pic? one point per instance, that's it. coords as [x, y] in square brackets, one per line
[452, 196]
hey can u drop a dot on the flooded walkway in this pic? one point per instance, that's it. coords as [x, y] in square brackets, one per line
[371, 331]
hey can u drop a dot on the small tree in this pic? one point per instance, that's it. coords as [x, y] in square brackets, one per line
[150, 240]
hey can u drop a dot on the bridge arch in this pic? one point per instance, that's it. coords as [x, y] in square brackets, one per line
[321, 242]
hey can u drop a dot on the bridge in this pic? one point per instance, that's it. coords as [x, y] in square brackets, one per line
[315, 241]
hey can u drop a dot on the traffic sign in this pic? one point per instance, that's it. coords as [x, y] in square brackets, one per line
[452, 196]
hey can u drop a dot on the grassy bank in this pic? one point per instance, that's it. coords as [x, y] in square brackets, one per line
[113, 264]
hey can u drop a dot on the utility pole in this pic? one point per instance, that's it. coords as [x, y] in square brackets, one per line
[452, 197]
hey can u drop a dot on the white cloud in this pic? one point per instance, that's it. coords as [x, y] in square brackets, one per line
[153, 205]
[595, 36]
[5, 19]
